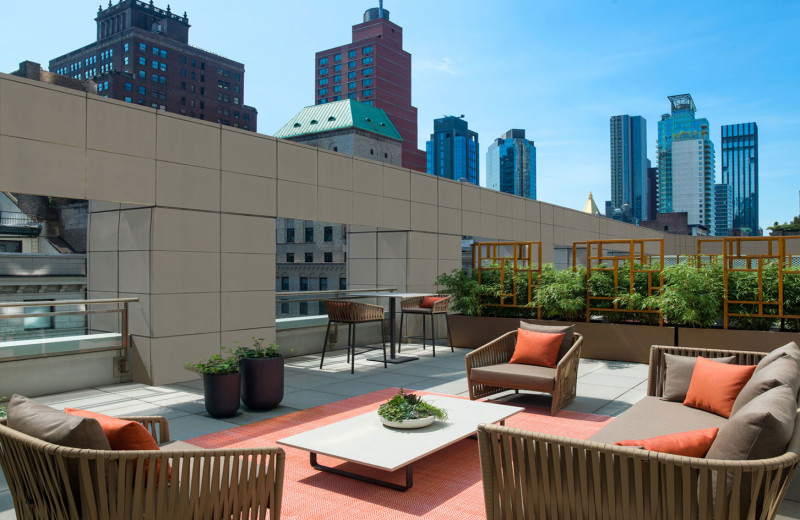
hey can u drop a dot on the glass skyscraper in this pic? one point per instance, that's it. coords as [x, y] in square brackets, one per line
[511, 165]
[629, 164]
[723, 201]
[453, 150]
[740, 171]
[686, 164]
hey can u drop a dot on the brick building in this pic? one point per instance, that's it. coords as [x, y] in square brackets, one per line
[374, 69]
[142, 55]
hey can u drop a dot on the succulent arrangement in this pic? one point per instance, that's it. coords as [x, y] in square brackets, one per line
[402, 407]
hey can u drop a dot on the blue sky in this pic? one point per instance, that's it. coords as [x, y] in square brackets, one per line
[558, 69]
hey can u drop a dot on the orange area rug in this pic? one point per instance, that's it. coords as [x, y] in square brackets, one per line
[447, 484]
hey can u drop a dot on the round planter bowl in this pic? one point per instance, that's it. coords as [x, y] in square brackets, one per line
[262, 382]
[409, 424]
[221, 394]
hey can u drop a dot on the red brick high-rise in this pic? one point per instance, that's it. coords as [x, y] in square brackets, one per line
[373, 69]
[142, 55]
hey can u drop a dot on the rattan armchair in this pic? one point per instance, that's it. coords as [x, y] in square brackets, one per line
[122, 485]
[411, 306]
[351, 314]
[560, 382]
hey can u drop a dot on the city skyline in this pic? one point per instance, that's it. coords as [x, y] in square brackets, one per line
[583, 62]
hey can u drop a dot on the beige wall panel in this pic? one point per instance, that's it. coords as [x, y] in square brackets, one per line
[185, 230]
[32, 110]
[423, 245]
[180, 314]
[471, 223]
[396, 183]
[361, 272]
[518, 229]
[447, 265]
[470, 197]
[424, 188]
[505, 228]
[568, 218]
[392, 272]
[422, 271]
[449, 221]
[182, 272]
[102, 271]
[396, 214]
[488, 227]
[367, 209]
[248, 194]
[187, 141]
[424, 217]
[393, 245]
[245, 337]
[518, 208]
[167, 356]
[533, 231]
[111, 176]
[546, 213]
[547, 243]
[504, 204]
[449, 193]
[429, 288]
[122, 128]
[297, 200]
[296, 162]
[367, 177]
[190, 187]
[335, 170]
[362, 245]
[335, 205]
[134, 229]
[533, 211]
[140, 362]
[489, 202]
[103, 231]
[39, 168]
[97, 206]
[449, 247]
[248, 310]
[245, 234]
[248, 272]
[134, 272]
[248, 152]
[138, 313]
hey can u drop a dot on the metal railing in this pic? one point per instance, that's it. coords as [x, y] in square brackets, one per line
[289, 297]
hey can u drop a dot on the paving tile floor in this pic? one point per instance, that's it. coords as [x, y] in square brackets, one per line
[604, 387]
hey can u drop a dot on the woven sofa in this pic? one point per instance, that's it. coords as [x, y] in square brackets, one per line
[179, 481]
[533, 475]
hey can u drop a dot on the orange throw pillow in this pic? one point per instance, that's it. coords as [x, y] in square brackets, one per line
[689, 444]
[715, 386]
[536, 348]
[428, 301]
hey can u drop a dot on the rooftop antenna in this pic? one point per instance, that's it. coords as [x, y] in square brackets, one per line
[380, 8]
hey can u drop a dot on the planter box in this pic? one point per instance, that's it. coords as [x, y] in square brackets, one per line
[753, 340]
[622, 341]
[477, 331]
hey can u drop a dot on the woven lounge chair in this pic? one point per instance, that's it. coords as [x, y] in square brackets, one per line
[351, 314]
[412, 306]
[175, 484]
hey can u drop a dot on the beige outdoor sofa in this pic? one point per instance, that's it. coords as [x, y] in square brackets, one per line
[48, 481]
[533, 475]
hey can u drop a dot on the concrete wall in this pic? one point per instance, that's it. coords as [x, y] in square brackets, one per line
[201, 254]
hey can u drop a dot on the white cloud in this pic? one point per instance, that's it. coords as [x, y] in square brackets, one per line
[444, 65]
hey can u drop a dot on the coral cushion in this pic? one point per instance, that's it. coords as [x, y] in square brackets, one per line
[715, 386]
[689, 444]
[428, 301]
[536, 348]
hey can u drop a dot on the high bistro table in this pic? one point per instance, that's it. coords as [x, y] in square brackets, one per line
[393, 297]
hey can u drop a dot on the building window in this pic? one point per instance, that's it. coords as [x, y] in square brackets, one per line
[352, 95]
[142, 91]
[367, 71]
[337, 78]
[337, 68]
[323, 71]
[366, 61]
[323, 92]
[289, 258]
[351, 65]
[366, 93]
[323, 81]
[128, 87]
[337, 57]
[351, 75]
[367, 50]
[142, 47]
[337, 88]
[323, 283]
[284, 283]
[366, 82]
[125, 47]
[328, 233]
[352, 53]
[303, 283]
[163, 54]
[128, 99]
[328, 257]
[309, 257]
[342, 283]
[38, 322]
[289, 235]
[351, 85]
[142, 60]
[10, 246]
[284, 308]
[303, 308]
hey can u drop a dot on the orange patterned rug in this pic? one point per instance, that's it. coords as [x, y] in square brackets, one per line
[447, 484]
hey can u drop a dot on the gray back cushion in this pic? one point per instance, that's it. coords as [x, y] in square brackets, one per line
[567, 330]
[790, 349]
[55, 426]
[781, 370]
[678, 375]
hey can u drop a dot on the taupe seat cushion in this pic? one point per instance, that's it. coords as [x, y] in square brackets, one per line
[567, 330]
[522, 377]
[418, 310]
[652, 417]
[678, 375]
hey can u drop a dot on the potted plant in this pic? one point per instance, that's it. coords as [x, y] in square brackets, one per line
[3, 413]
[261, 366]
[221, 383]
[409, 411]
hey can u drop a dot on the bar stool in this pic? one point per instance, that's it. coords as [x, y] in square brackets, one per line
[352, 313]
[426, 306]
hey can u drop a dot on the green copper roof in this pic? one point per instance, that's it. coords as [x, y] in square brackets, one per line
[339, 115]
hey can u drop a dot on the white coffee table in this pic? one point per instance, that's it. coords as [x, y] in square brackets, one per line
[365, 440]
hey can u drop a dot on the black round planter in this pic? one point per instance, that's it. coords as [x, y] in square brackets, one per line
[222, 394]
[262, 382]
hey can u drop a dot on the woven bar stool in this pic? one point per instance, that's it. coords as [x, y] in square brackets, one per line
[434, 305]
[352, 313]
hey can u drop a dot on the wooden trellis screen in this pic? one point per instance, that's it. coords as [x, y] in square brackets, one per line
[521, 257]
[771, 250]
[598, 257]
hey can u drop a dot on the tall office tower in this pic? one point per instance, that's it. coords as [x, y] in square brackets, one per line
[375, 70]
[629, 164]
[142, 55]
[652, 191]
[511, 165]
[453, 150]
[740, 170]
[723, 201]
[686, 164]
